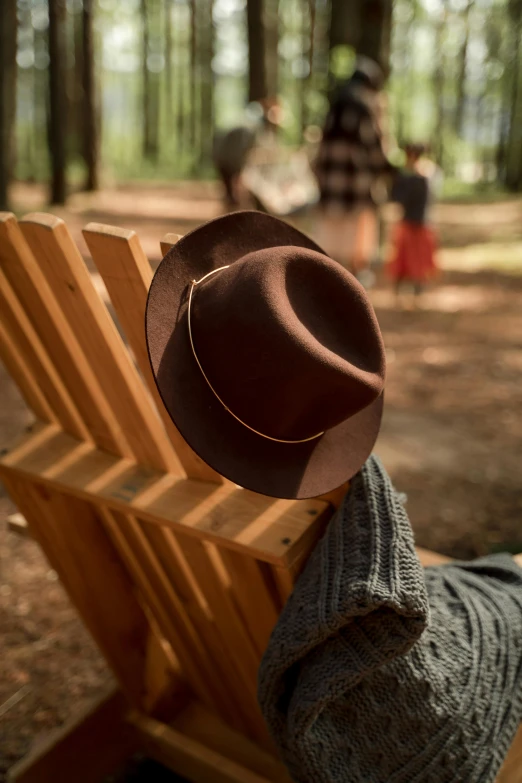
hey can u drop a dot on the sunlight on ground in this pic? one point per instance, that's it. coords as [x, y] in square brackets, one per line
[445, 298]
[119, 203]
[500, 256]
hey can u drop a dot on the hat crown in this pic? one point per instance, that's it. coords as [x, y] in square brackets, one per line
[289, 341]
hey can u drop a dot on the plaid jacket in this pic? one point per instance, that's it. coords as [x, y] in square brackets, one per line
[351, 166]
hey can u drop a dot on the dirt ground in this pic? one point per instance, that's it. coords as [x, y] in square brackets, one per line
[451, 437]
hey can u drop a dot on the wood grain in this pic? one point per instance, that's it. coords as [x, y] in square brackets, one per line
[127, 275]
[41, 307]
[267, 529]
[102, 347]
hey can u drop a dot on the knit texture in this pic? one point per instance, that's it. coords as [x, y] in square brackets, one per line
[379, 671]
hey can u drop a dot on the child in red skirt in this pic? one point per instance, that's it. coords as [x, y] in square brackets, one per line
[412, 259]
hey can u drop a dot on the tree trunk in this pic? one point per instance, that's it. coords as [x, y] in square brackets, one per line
[58, 100]
[513, 176]
[376, 25]
[168, 64]
[207, 85]
[308, 29]
[438, 88]
[403, 70]
[257, 82]
[271, 28]
[461, 75]
[345, 23]
[504, 124]
[7, 95]
[181, 81]
[311, 53]
[147, 103]
[40, 102]
[321, 53]
[366, 26]
[75, 93]
[193, 75]
[90, 113]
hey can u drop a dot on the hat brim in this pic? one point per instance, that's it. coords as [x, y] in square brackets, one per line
[281, 470]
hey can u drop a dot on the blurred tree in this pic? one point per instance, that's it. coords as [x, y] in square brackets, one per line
[375, 37]
[58, 100]
[257, 81]
[499, 38]
[461, 70]
[271, 19]
[207, 82]
[8, 24]
[40, 92]
[307, 60]
[168, 62]
[193, 75]
[177, 63]
[151, 67]
[439, 82]
[25, 136]
[181, 74]
[365, 25]
[513, 158]
[403, 66]
[75, 97]
[147, 141]
[90, 108]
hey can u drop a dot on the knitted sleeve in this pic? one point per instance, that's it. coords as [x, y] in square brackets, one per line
[360, 602]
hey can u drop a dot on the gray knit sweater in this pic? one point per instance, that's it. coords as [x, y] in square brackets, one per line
[380, 672]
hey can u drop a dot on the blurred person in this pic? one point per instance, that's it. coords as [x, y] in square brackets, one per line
[427, 166]
[352, 169]
[412, 262]
[233, 147]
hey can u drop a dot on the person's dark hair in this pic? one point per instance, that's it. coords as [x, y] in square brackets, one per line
[367, 73]
[359, 77]
[415, 149]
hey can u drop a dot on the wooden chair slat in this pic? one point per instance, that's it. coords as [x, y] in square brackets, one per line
[284, 581]
[251, 596]
[511, 771]
[102, 347]
[84, 558]
[205, 563]
[189, 758]
[20, 372]
[163, 603]
[176, 569]
[127, 275]
[429, 558]
[267, 529]
[168, 241]
[165, 685]
[196, 722]
[35, 356]
[41, 307]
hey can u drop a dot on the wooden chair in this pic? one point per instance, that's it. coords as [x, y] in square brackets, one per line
[178, 574]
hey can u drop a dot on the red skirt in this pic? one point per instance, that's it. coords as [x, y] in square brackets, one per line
[413, 253]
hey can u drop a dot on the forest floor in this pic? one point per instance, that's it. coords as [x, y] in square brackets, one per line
[451, 437]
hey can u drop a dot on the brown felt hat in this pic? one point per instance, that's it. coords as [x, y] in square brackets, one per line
[272, 367]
